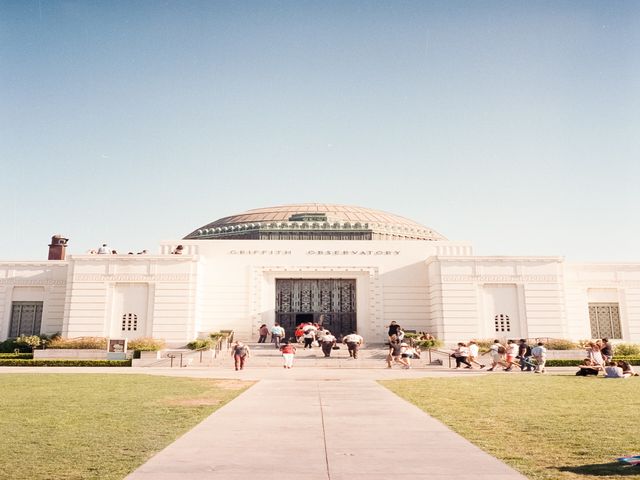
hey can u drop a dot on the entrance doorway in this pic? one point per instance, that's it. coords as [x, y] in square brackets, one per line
[330, 302]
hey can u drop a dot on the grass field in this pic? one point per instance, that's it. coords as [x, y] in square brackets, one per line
[93, 426]
[547, 427]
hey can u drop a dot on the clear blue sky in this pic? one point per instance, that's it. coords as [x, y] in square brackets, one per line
[514, 125]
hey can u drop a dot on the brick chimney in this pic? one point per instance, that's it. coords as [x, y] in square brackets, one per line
[58, 247]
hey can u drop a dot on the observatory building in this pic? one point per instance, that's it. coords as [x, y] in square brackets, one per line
[350, 268]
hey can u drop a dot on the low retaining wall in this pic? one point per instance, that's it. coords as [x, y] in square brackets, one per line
[70, 354]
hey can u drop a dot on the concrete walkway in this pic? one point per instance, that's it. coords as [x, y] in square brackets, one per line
[297, 426]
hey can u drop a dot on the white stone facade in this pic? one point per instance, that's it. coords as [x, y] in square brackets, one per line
[434, 286]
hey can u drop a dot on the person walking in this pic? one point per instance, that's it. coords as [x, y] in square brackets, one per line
[240, 353]
[407, 352]
[512, 353]
[327, 343]
[393, 330]
[353, 341]
[524, 352]
[497, 350]
[263, 332]
[461, 354]
[395, 354]
[288, 352]
[474, 353]
[309, 336]
[277, 334]
[539, 352]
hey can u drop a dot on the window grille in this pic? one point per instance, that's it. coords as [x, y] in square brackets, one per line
[26, 318]
[502, 323]
[605, 320]
[129, 322]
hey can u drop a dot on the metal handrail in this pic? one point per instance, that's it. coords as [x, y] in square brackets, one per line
[435, 350]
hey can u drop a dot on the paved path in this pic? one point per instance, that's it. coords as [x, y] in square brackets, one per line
[297, 426]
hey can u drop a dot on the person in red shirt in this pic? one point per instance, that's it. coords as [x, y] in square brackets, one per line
[288, 352]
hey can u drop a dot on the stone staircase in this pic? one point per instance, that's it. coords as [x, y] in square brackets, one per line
[266, 355]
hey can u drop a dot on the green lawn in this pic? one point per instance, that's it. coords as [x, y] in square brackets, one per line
[96, 426]
[547, 427]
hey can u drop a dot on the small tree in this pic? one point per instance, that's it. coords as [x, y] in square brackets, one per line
[29, 341]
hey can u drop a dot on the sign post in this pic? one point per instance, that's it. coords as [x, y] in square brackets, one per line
[117, 349]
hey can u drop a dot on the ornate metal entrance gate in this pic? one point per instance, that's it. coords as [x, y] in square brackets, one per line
[331, 302]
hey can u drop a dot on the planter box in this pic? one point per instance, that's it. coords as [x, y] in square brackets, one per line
[70, 354]
[146, 359]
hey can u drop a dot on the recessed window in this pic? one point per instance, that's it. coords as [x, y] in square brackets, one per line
[502, 323]
[26, 318]
[605, 320]
[129, 322]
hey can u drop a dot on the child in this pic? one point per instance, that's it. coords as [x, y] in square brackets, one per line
[288, 352]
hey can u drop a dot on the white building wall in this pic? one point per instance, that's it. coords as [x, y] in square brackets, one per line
[96, 294]
[230, 284]
[600, 282]
[237, 279]
[36, 282]
[467, 292]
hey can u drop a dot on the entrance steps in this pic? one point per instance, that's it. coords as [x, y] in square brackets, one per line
[267, 356]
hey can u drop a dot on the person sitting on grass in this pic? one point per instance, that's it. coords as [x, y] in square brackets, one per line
[612, 370]
[588, 367]
[627, 368]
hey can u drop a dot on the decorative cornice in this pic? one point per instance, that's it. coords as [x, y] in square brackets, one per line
[20, 282]
[500, 278]
[132, 277]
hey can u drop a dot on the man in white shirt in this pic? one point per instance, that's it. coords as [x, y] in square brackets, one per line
[327, 341]
[353, 341]
[539, 352]
[104, 250]
[474, 353]
[277, 333]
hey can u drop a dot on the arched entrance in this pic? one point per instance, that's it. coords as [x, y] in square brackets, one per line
[328, 301]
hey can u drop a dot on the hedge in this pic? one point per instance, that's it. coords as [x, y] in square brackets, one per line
[15, 356]
[64, 363]
[574, 363]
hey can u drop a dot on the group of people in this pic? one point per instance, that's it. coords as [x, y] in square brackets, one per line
[106, 250]
[600, 359]
[400, 352]
[311, 335]
[519, 354]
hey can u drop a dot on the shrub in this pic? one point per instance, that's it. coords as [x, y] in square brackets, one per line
[64, 363]
[629, 358]
[564, 362]
[200, 343]
[433, 343]
[31, 341]
[9, 346]
[82, 343]
[146, 344]
[626, 349]
[559, 344]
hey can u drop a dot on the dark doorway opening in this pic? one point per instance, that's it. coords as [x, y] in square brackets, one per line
[304, 318]
[330, 302]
